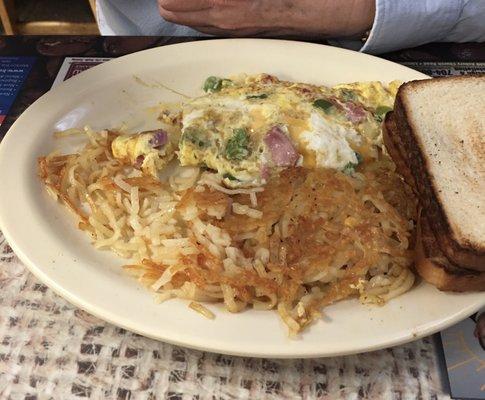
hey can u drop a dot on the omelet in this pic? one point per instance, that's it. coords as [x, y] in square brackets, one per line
[148, 151]
[250, 127]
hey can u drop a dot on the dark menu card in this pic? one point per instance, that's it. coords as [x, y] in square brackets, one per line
[13, 73]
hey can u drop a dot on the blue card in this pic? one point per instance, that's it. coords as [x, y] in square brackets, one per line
[465, 360]
[13, 73]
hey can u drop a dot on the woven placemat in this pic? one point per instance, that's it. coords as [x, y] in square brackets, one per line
[49, 349]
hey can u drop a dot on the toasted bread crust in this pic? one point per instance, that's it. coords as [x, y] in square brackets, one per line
[458, 251]
[395, 149]
[435, 268]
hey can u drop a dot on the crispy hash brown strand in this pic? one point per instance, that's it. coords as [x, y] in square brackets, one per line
[305, 240]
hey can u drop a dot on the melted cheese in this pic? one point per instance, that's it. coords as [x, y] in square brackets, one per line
[258, 120]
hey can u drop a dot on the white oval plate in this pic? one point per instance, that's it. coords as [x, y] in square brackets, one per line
[44, 236]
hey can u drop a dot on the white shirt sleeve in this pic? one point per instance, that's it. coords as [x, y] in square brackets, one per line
[401, 24]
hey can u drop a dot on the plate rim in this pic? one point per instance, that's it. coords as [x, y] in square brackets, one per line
[223, 349]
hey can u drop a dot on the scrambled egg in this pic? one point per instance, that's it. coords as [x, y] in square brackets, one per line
[249, 127]
[149, 151]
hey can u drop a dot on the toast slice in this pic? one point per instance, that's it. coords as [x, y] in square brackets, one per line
[441, 125]
[430, 262]
[435, 268]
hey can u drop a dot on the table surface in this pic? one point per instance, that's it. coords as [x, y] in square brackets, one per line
[51, 349]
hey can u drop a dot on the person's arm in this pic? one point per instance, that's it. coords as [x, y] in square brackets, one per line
[397, 23]
[300, 18]
[410, 23]
[135, 18]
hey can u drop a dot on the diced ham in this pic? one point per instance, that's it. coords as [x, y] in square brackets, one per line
[159, 139]
[266, 78]
[139, 161]
[355, 112]
[282, 152]
[264, 171]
